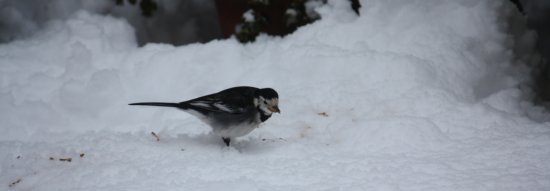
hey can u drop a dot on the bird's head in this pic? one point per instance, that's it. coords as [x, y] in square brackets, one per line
[268, 101]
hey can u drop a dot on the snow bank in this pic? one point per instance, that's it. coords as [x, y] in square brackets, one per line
[411, 95]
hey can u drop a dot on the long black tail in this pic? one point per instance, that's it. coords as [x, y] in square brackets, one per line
[162, 104]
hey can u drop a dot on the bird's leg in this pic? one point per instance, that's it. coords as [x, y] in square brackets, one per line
[226, 140]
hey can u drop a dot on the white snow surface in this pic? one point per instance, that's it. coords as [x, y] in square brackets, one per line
[248, 16]
[411, 95]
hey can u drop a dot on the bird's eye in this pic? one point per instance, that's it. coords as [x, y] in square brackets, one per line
[265, 102]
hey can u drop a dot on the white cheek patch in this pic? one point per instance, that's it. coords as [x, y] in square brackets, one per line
[263, 106]
[266, 111]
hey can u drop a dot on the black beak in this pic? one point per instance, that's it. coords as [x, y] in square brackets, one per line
[274, 109]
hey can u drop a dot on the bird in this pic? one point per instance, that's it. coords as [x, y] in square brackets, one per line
[231, 113]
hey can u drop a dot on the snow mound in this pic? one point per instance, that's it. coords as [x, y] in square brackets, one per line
[411, 95]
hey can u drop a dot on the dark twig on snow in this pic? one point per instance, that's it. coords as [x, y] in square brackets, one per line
[69, 159]
[14, 183]
[324, 114]
[156, 136]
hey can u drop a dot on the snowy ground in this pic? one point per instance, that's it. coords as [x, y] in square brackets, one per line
[411, 95]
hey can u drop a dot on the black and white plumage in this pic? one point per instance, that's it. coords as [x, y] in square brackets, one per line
[233, 112]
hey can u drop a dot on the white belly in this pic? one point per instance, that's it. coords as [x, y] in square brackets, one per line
[236, 130]
[222, 130]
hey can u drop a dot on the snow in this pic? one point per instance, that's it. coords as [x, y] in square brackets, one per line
[411, 95]
[248, 16]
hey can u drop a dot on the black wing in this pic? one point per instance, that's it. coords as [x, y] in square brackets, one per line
[235, 100]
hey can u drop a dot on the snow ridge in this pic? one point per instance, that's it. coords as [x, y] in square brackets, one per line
[411, 95]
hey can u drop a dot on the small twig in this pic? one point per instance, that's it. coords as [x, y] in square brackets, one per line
[66, 159]
[14, 183]
[155, 135]
[324, 114]
[273, 140]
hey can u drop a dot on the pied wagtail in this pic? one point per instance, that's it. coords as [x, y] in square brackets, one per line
[233, 112]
